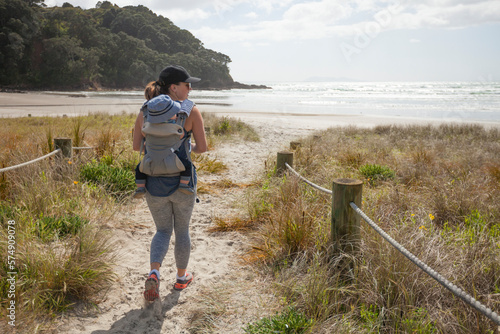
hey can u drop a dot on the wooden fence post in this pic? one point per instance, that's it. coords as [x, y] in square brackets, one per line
[345, 221]
[65, 145]
[283, 157]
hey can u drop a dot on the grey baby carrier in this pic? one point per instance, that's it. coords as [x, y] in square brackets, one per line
[164, 136]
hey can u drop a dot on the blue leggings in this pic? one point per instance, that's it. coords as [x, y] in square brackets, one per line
[171, 213]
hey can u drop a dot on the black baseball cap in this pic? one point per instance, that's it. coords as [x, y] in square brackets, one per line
[174, 74]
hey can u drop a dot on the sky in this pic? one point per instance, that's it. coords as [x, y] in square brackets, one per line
[362, 40]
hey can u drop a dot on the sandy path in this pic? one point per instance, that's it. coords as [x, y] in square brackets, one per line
[224, 292]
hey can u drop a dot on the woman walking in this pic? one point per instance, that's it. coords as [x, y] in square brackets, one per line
[171, 209]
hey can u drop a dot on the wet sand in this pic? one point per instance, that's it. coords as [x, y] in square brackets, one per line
[55, 104]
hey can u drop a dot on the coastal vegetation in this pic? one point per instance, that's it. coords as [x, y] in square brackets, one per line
[62, 210]
[68, 47]
[62, 242]
[226, 127]
[434, 189]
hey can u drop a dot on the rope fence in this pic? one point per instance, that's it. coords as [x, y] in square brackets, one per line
[428, 270]
[424, 267]
[6, 169]
[306, 180]
[63, 146]
[83, 148]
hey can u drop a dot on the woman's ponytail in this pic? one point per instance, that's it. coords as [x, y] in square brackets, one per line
[155, 88]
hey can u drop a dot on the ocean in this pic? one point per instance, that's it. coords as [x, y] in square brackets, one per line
[463, 101]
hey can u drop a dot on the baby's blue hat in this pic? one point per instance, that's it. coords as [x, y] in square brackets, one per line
[162, 108]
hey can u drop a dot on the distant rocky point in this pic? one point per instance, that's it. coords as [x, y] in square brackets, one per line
[239, 85]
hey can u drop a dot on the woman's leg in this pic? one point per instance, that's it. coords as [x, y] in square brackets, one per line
[161, 209]
[171, 213]
[182, 208]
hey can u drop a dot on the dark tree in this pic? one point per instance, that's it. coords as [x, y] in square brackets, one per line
[107, 46]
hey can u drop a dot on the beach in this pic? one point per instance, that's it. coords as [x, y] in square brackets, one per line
[56, 104]
[245, 295]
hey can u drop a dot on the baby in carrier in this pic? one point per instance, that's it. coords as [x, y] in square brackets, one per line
[158, 112]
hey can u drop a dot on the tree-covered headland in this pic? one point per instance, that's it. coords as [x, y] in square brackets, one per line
[104, 47]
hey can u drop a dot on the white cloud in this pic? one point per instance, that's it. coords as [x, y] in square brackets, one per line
[182, 15]
[311, 20]
[316, 19]
[320, 19]
[270, 5]
[217, 5]
[414, 41]
[322, 12]
[447, 14]
[252, 15]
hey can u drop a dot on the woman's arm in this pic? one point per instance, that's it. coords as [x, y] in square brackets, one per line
[136, 145]
[195, 122]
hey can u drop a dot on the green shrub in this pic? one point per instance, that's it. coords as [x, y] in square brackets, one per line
[474, 228]
[370, 316]
[49, 227]
[117, 180]
[376, 172]
[223, 127]
[417, 322]
[289, 321]
[7, 212]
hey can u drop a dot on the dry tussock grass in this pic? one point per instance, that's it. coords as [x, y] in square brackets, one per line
[442, 205]
[224, 128]
[62, 254]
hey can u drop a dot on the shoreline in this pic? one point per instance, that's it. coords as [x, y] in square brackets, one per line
[60, 105]
[25, 90]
